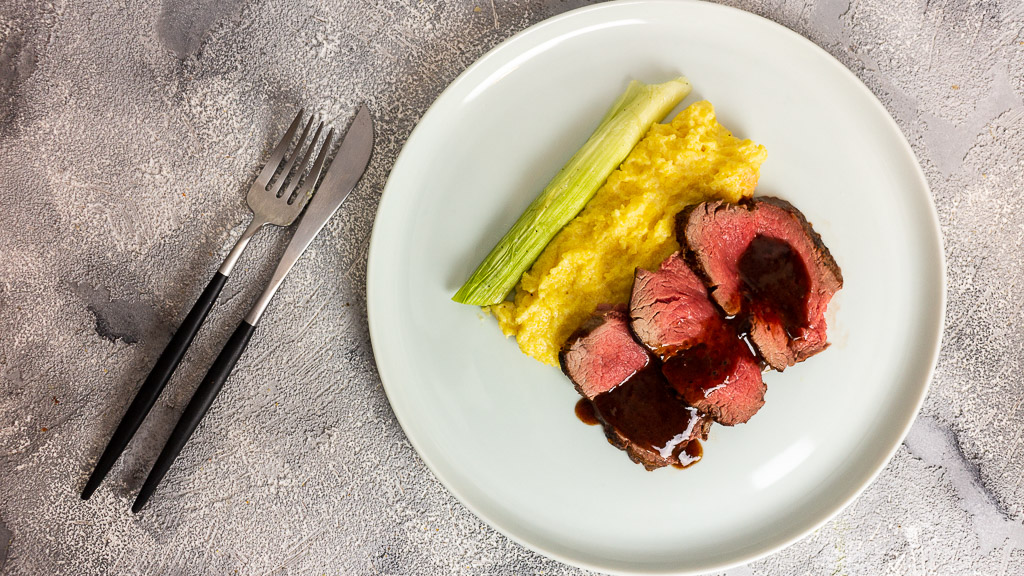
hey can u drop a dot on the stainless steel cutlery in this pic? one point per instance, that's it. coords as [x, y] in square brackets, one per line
[273, 200]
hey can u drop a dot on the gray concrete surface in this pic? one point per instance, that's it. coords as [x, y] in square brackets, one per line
[128, 134]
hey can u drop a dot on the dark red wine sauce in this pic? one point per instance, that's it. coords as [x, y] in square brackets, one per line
[585, 412]
[646, 410]
[775, 283]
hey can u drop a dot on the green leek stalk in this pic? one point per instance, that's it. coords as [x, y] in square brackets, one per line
[626, 123]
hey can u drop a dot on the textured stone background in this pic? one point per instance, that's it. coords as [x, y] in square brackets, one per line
[129, 132]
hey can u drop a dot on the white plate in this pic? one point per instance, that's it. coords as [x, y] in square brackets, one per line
[498, 429]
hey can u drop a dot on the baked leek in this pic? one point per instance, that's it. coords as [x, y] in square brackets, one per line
[623, 126]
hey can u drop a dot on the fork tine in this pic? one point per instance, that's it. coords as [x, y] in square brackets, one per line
[278, 154]
[275, 188]
[303, 164]
[305, 192]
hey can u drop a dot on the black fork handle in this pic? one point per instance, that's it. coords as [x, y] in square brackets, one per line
[196, 409]
[154, 383]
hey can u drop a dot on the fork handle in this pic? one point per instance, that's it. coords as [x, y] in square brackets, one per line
[196, 409]
[154, 383]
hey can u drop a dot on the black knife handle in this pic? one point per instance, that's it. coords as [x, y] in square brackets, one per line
[154, 383]
[196, 409]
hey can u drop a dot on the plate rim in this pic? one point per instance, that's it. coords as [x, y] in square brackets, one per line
[932, 220]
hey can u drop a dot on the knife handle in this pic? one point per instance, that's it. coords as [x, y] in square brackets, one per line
[196, 409]
[154, 383]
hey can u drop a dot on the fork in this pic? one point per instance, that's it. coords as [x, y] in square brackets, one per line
[276, 202]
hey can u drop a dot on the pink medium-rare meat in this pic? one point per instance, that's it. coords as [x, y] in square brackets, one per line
[602, 354]
[763, 260]
[721, 379]
[641, 413]
[704, 358]
[669, 309]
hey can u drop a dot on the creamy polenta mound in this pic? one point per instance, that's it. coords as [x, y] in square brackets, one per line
[629, 223]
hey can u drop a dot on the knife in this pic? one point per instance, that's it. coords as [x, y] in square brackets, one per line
[345, 171]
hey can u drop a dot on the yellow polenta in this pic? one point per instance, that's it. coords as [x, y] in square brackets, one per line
[629, 223]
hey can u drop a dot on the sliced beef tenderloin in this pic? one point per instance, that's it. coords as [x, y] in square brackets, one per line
[765, 262]
[669, 309]
[639, 410]
[647, 418]
[703, 356]
[602, 354]
[721, 378]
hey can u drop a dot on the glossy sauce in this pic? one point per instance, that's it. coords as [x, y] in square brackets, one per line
[775, 283]
[700, 370]
[646, 410]
[691, 454]
[585, 412]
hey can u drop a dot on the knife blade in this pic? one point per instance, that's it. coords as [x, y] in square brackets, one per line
[347, 168]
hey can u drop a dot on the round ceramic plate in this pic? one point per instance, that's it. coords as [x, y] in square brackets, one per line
[498, 428]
